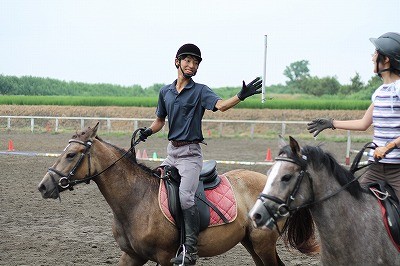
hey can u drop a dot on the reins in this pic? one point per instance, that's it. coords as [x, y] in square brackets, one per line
[355, 165]
[65, 180]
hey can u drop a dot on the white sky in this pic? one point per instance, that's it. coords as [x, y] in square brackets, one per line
[134, 42]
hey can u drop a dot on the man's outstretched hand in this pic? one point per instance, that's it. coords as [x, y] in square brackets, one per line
[254, 87]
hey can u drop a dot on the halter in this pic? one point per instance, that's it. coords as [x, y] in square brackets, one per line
[66, 180]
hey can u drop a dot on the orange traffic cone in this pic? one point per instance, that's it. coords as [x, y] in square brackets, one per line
[10, 145]
[138, 155]
[268, 158]
[144, 155]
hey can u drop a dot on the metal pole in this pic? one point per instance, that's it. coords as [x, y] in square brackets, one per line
[265, 70]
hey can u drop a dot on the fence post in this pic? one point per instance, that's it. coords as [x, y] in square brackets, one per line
[220, 129]
[348, 148]
[56, 129]
[283, 129]
[32, 124]
[9, 122]
[108, 125]
[82, 124]
[252, 131]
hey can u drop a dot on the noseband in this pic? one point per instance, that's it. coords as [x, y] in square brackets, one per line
[284, 207]
[66, 179]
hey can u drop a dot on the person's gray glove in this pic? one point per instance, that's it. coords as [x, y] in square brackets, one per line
[319, 124]
[144, 133]
[250, 89]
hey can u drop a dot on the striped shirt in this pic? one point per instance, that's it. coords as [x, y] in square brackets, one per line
[386, 119]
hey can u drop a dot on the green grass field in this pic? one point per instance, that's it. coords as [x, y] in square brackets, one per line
[278, 102]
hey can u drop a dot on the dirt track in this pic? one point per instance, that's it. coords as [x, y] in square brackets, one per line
[77, 231]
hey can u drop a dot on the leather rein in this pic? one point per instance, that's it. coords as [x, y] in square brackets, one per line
[67, 181]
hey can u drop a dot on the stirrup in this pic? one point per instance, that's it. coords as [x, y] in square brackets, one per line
[182, 251]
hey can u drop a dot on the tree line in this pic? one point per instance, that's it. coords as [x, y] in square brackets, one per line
[299, 81]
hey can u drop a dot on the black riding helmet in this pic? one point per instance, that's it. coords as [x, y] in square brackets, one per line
[185, 50]
[388, 45]
[189, 49]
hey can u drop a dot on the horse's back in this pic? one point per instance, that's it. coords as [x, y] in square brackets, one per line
[247, 185]
[242, 178]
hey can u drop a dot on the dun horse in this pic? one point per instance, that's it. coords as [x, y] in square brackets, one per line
[131, 190]
[309, 185]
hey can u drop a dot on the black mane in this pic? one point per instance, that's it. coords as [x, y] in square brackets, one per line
[131, 156]
[319, 158]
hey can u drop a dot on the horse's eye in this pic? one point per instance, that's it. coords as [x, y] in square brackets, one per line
[71, 155]
[286, 178]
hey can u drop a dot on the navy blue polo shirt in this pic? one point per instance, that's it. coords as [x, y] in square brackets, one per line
[185, 110]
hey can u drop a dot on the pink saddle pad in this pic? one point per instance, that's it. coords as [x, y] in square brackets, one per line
[222, 197]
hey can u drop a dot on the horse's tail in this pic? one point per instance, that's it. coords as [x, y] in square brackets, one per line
[300, 233]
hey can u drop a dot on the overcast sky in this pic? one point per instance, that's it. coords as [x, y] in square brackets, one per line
[134, 42]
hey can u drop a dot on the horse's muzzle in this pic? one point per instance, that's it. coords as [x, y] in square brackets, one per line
[48, 188]
[260, 217]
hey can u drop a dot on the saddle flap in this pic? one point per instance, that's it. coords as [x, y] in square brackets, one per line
[386, 195]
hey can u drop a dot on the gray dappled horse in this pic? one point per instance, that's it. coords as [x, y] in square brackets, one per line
[308, 185]
[131, 190]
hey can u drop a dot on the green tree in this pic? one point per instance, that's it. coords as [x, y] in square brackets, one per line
[297, 71]
[320, 86]
[355, 86]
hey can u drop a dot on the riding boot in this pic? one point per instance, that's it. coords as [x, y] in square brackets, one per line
[192, 226]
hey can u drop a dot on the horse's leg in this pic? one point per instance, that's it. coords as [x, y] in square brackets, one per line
[126, 260]
[262, 248]
[249, 247]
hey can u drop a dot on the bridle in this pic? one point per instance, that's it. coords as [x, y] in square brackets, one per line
[66, 179]
[284, 209]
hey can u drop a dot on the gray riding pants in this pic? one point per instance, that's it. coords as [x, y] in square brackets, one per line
[188, 159]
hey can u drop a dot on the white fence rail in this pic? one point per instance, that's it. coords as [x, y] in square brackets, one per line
[135, 122]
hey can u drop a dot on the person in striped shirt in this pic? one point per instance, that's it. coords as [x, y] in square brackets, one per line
[383, 114]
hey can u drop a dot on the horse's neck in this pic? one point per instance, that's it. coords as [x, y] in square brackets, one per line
[125, 184]
[342, 215]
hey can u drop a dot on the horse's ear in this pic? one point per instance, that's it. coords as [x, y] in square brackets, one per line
[281, 142]
[294, 145]
[94, 130]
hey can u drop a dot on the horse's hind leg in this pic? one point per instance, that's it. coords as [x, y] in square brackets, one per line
[126, 260]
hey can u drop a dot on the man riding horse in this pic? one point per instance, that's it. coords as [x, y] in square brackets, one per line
[184, 103]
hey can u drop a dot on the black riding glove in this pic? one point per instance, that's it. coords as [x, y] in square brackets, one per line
[144, 133]
[250, 89]
[319, 124]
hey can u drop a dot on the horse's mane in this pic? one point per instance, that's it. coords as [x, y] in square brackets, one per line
[131, 156]
[319, 158]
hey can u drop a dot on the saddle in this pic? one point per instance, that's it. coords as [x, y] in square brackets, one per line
[390, 208]
[208, 179]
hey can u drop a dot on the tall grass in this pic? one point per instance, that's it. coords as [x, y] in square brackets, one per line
[251, 103]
